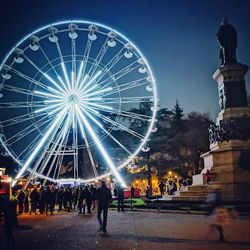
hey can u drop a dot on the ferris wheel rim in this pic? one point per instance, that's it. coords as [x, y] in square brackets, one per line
[155, 100]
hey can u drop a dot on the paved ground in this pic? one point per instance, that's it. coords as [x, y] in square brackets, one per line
[129, 230]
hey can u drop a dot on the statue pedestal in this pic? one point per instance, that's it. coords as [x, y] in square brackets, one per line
[229, 159]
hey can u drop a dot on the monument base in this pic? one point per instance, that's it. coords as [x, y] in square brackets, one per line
[230, 168]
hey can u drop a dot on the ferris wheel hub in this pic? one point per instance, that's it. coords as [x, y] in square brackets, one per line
[73, 99]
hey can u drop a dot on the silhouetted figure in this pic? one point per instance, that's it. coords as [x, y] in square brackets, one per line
[11, 221]
[93, 190]
[208, 177]
[103, 196]
[227, 37]
[60, 198]
[50, 200]
[75, 194]
[132, 191]
[161, 187]
[120, 198]
[88, 199]
[20, 199]
[26, 201]
[80, 199]
[34, 198]
[42, 200]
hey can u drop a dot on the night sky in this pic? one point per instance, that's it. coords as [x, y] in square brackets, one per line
[177, 37]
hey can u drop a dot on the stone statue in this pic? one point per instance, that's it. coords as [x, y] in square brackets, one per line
[227, 37]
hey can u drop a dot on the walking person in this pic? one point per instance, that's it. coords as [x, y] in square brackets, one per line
[120, 198]
[103, 196]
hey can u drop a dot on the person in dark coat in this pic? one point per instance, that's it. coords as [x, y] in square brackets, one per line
[26, 201]
[80, 199]
[68, 199]
[75, 194]
[132, 191]
[92, 189]
[50, 200]
[60, 198]
[161, 187]
[34, 198]
[120, 198]
[88, 199]
[11, 221]
[42, 200]
[103, 196]
[20, 199]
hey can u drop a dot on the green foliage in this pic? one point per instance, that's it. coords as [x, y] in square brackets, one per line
[178, 143]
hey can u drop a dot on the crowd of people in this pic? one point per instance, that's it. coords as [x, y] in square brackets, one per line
[44, 199]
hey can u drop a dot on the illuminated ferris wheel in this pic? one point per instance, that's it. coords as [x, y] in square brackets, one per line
[78, 102]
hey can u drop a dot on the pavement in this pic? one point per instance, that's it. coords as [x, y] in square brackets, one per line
[127, 230]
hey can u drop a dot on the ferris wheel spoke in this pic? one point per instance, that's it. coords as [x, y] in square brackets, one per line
[81, 73]
[24, 154]
[46, 155]
[121, 72]
[61, 156]
[98, 59]
[126, 86]
[129, 114]
[73, 66]
[63, 92]
[116, 124]
[23, 91]
[107, 132]
[27, 130]
[53, 68]
[100, 146]
[51, 107]
[114, 77]
[112, 63]
[38, 83]
[51, 148]
[21, 104]
[65, 73]
[54, 125]
[87, 146]
[26, 77]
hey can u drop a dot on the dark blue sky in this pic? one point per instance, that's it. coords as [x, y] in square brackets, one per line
[177, 37]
